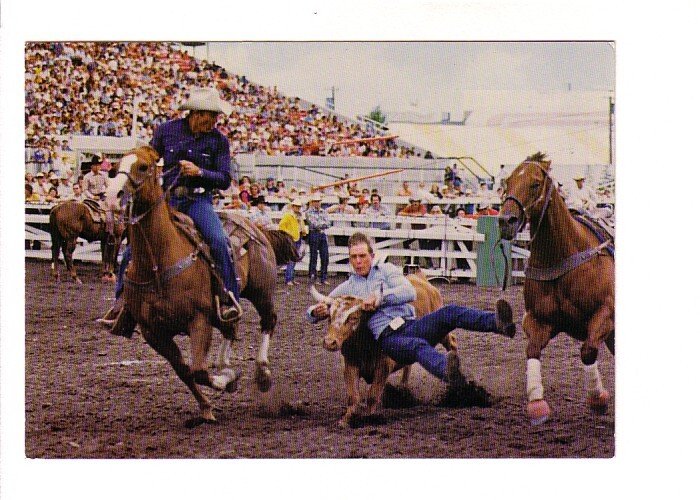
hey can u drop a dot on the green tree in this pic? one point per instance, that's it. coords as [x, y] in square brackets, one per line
[377, 115]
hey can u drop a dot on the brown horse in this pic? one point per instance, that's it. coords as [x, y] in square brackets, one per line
[73, 219]
[569, 281]
[169, 288]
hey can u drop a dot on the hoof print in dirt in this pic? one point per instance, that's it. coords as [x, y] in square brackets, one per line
[398, 397]
[468, 395]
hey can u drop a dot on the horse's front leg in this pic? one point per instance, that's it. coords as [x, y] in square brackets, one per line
[538, 335]
[164, 345]
[600, 328]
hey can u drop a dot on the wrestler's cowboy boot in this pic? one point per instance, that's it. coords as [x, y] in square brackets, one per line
[229, 309]
[119, 320]
[504, 319]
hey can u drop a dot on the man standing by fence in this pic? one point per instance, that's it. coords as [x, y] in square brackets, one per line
[318, 221]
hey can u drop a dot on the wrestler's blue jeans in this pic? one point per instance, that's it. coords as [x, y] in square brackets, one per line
[200, 209]
[415, 341]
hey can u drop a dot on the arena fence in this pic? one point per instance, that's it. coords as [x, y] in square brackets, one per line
[455, 248]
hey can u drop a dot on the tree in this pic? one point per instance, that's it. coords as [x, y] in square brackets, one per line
[377, 115]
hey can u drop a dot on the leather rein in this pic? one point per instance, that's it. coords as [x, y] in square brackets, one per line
[160, 278]
[569, 263]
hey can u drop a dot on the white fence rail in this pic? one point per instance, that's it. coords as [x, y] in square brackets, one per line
[454, 255]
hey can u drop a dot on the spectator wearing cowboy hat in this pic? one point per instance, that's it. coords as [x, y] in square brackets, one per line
[292, 223]
[581, 197]
[318, 221]
[342, 207]
[416, 208]
[196, 160]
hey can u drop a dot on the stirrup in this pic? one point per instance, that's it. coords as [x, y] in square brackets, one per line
[232, 314]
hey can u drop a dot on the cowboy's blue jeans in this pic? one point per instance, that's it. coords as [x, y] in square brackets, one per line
[200, 209]
[318, 243]
[415, 341]
[289, 270]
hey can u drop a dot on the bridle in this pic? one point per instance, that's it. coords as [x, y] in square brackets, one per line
[523, 210]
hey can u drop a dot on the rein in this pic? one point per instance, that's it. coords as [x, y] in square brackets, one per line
[134, 221]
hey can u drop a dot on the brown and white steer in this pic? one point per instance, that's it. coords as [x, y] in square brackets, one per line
[348, 331]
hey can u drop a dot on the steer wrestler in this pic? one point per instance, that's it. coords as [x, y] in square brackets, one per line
[402, 337]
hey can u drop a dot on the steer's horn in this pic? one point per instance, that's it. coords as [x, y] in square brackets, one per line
[319, 297]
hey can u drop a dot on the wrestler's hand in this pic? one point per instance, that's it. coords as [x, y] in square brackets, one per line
[320, 311]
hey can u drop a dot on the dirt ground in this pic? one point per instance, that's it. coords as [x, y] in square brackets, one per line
[92, 395]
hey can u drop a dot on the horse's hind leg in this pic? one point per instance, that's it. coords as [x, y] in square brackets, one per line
[200, 341]
[55, 254]
[68, 249]
[268, 320]
[166, 347]
[600, 328]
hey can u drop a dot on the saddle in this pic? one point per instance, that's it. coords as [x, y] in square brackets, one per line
[602, 228]
[97, 210]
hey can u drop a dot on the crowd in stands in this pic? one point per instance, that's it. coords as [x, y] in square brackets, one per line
[88, 88]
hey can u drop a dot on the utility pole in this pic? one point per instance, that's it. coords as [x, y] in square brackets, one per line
[611, 114]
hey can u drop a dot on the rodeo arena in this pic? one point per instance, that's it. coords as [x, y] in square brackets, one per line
[509, 214]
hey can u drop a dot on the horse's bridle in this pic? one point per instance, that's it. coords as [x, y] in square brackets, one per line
[522, 215]
[136, 187]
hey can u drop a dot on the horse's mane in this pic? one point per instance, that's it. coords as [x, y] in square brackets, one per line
[283, 245]
[539, 156]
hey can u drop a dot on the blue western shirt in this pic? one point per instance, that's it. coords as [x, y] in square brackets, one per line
[396, 289]
[174, 141]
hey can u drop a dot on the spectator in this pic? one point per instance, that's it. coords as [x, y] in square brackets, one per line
[376, 211]
[404, 190]
[415, 209]
[485, 208]
[41, 187]
[435, 191]
[77, 194]
[259, 213]
[500, 179]
[318, 221]
[582, 197]
[342, 207]
[292, 223]
[65, 189]
[449, 191]
[29, 195]
[423, 193]
[95, 182]
[52, 195]
[270, 188]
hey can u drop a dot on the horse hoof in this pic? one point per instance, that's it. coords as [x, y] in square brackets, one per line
[77, 281]
[232, 385]
[599, 404]
[202, 419]
[538, 411]
[263, 377]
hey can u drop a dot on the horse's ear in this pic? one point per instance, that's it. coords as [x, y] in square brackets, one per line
[546, 164]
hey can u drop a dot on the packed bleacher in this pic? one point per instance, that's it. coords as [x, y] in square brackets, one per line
[88, 88]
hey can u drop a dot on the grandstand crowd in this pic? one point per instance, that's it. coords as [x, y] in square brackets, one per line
[89, 88]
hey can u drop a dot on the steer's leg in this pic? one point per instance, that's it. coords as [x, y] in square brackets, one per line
[351, 374]
[376, 389]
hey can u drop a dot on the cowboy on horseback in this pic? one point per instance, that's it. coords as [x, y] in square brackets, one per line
[196, 161]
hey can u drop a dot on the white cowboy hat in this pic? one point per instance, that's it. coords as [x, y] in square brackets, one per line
[207, 99]
[579, 177]
[296, 202]
[315, 197]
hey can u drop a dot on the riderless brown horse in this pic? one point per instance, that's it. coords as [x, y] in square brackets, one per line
[569, 279]
[72, 219]
[169, 288]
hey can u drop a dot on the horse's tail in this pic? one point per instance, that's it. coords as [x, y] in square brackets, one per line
[283, 245]
[55, 231]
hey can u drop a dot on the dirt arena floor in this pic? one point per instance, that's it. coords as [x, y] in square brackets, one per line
[92, 395]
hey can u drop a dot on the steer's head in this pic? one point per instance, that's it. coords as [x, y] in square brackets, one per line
[344, 320]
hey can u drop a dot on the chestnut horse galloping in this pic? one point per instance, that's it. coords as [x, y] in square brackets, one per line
[169, 286]
[72, 219]
[569, 281]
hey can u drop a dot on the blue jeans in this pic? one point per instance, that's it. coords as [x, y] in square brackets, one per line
[415, 341]
[289, 270]
[318, 243]
[201, 210]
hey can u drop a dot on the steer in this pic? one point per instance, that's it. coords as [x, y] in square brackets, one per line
[347, 331]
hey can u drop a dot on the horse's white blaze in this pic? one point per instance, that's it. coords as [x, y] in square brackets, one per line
[593, 384]
[534, 387]
[117, 184]
[264, 346]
